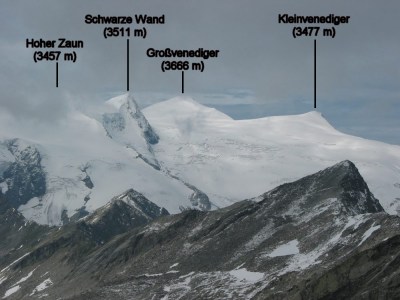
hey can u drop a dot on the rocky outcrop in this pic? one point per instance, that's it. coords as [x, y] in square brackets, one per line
[25, 177]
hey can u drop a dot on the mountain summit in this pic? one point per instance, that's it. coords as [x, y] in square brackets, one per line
[340, 188]
[127, 125]
[128, 109]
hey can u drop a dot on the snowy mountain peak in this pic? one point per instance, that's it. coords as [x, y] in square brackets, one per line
[316, 118]
[314, 113]
[127, 111]
[184, 108]
[131, 109]
[118, 101]
[183, 100]
[126, 105]
[126, 125]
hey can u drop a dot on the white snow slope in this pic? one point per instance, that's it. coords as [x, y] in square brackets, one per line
[229, 160]
[112, 165]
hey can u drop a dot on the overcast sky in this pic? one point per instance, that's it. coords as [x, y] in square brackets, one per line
[262, 70]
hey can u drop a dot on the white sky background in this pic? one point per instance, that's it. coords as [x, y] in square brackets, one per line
[261, 70]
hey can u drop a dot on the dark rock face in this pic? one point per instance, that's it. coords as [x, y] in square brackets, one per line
[124, 212]
[88, 182]
[356, 196]
[370, 274]
[57, 252]
[116, 122]
[79, 214]
[342, 182]
[148, 132]
[119, 124]
[154, 164]
[199, 199]
[113, 122]
[322, 237]
[16, 232]
[25, 177]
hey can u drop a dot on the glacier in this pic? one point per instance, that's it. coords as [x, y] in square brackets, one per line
[180, 154]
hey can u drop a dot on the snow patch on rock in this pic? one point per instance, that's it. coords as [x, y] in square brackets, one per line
[289, 248]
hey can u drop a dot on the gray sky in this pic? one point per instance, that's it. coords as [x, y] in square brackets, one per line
[261, 70]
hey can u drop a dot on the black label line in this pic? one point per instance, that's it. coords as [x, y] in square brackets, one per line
[315, 73]
[57, 74]
[127, 65]
[183, 82]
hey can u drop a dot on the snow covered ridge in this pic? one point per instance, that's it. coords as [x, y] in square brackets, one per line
[231, 160]
[179, 154]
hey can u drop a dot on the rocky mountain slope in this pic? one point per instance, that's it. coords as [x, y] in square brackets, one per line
[324, 236]
[23, 177]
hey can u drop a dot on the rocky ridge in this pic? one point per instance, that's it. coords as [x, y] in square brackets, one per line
[324, 236]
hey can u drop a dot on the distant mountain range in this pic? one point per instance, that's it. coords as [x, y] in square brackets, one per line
[180, 155]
